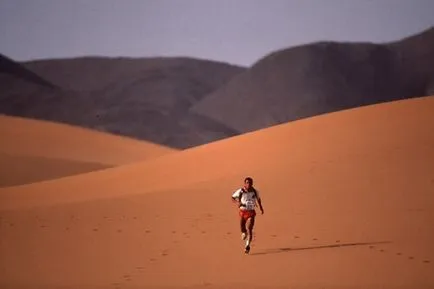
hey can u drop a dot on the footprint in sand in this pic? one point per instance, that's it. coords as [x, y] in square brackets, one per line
[399, 254]
[127, 277]
[411, 258]
[296, 237]
[42, 226]
[274, 236]
[95, 229]
[314, 239]
[371, 247]
[426, 261]
[164, 253]
[148, 231]
[119, 231]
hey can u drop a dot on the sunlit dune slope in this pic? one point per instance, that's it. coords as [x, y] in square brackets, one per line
[348, 204]
[18, 169]
[53, 140]
[32, 150]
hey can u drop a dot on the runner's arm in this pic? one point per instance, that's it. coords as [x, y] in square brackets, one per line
[258, 199]
[260, 205]
[236, 197]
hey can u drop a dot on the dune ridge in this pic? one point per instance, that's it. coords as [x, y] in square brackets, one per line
[18, 169]
[233, 156]
[348, 204]
[34, 150]
[49, 139]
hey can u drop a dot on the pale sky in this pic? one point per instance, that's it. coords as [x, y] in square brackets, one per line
[234, 31]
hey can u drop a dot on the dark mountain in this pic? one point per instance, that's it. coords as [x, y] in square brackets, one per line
[323, 77]
[142, 98]
[11, 68]
[184, 102]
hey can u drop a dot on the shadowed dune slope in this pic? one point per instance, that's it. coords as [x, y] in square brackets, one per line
[22, 136]
[322, 77]
[20, 169]
[348, 204]
[33, 150]
[53, 140]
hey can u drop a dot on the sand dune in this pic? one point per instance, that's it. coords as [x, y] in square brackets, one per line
[348, 204]
[48, 139]
[18, 169]
[33, 150]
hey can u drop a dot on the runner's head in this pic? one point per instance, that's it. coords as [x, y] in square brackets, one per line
[248, 182]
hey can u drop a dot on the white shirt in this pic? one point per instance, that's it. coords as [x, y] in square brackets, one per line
[248, 199]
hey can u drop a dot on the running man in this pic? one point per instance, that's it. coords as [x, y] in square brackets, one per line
[246, 198]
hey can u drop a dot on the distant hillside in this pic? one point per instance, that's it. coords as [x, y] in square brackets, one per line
[323, 77]
[145, 98]
[10, 67]
[184, 102]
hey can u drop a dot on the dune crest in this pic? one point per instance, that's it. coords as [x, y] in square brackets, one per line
[34, 150]
[18, 169]
[49, 139]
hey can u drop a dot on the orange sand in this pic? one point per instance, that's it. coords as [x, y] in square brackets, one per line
[33, 150]
[348, 201]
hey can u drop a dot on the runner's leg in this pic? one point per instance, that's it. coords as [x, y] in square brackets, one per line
[243, 227]
[250, 227]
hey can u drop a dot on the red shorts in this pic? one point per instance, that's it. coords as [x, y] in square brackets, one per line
[246, 214]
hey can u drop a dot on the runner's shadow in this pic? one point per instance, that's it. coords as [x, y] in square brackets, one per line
[283, 250]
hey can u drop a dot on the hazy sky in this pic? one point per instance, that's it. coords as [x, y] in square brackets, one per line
[235, 31]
